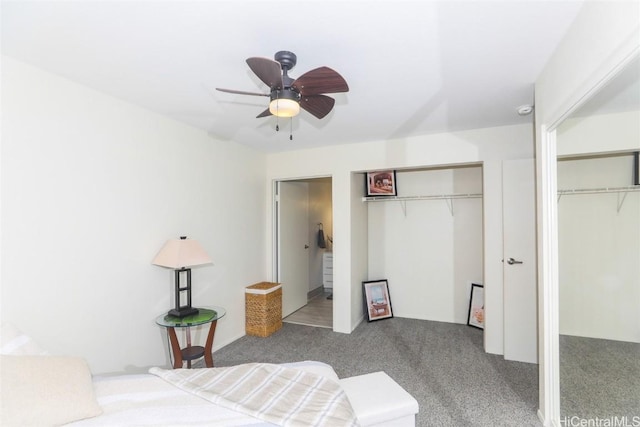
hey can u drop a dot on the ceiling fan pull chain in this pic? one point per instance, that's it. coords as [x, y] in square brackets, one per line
[290, 128]
[277, 118]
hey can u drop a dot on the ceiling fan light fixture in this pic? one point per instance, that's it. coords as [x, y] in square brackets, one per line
[283, 107]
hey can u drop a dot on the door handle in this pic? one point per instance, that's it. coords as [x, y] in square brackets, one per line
[512, 261]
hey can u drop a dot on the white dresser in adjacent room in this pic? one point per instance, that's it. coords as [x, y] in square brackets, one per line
[327, 270]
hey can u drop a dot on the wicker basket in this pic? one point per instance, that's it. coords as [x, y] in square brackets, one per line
[263, 309]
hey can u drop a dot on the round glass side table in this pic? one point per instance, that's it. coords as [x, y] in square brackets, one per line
[192, 352]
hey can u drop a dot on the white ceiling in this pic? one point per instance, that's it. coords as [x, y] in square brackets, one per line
[412, 67]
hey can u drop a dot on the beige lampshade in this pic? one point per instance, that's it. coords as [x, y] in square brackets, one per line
[182, 252]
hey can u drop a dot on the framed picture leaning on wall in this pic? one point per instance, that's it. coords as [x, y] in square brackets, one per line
[377, 300]
[381, 183]
[476, 306]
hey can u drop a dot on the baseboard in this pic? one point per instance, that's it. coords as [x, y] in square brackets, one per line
[217, 345]
[315, 292]
[358, 323]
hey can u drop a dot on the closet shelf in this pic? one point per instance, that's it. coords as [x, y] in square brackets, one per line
[404, 199]
[432, 197]
[600, 190]
[619, 190]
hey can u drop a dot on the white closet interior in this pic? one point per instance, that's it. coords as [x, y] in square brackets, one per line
[427, 241]
[599, 248]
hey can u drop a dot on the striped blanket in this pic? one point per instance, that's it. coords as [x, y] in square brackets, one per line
[273, 393]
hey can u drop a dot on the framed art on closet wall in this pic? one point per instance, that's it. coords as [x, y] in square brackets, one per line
[476, 306]
[381, 183]
[377, 299]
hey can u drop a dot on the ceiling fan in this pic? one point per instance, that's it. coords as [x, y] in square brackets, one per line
[288, 95]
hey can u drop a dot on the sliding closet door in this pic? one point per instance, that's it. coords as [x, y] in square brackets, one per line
[519, 269]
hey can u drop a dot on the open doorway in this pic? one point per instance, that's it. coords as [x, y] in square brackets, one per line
[304, 243]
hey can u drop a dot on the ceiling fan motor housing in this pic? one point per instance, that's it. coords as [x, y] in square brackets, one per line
[286, 59]
[286, 93]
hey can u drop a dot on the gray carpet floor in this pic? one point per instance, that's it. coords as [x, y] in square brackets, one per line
[599, 379]
[442, 365]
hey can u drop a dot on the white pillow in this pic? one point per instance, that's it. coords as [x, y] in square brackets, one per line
[14, 341]
[45, 390]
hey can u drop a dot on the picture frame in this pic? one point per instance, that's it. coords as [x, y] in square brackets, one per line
[377, 299]
[475, 317]
[381, 183]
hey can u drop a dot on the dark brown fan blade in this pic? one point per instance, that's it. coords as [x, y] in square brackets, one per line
[320, 80]
[265, 113]
[318, 105]
[241, 92]
[268, 70]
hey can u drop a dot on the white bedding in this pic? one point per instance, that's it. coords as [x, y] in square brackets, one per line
[147, 400]
[64, 391]
[274, 393]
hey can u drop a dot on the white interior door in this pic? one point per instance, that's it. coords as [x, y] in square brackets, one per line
[293, 244]
[520, 296]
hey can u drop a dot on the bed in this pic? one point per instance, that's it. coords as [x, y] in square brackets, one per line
[40, 389]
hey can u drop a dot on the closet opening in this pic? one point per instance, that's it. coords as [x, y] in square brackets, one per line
[451, 227]
[427, 241]
[599, 283]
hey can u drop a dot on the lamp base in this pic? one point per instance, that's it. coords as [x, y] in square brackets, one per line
[183, 311]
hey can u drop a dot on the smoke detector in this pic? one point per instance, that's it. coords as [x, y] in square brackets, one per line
[525, 110]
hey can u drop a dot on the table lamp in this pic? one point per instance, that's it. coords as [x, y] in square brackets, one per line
[181, 254]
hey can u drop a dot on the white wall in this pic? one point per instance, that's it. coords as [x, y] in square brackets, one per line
[430, 251]
[599, 250]
[603, 133]
[341, 162]
[359, 244]
[91, 189]
[604, 37]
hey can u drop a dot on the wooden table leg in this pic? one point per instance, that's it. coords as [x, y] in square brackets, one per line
[208, 347]
[175, 347]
